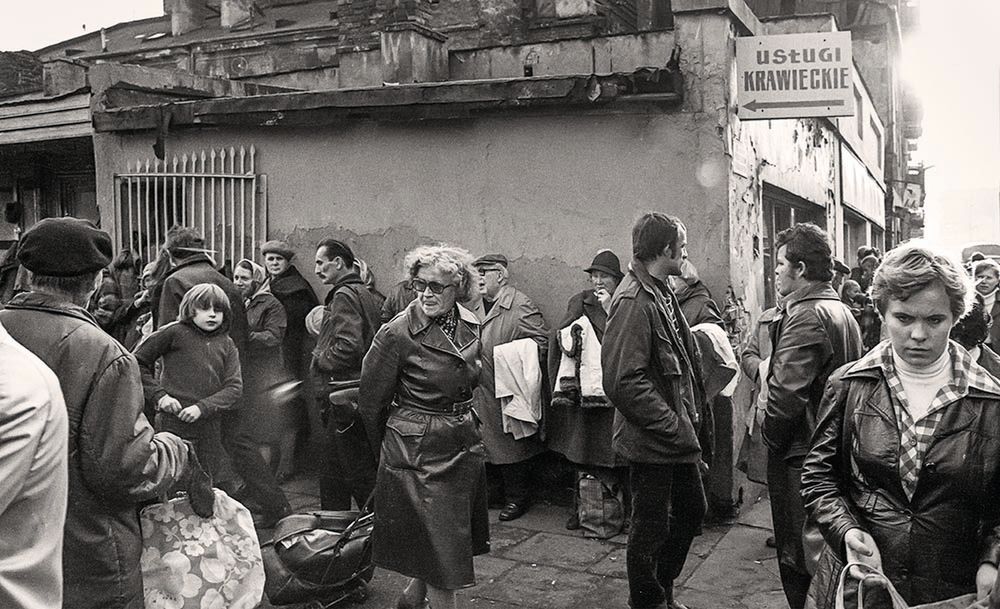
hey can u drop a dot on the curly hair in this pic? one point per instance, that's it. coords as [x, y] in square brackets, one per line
[450, 260]
[914, 266]
[808, 244]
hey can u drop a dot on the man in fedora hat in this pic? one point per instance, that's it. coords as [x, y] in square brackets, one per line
[115, 459]
[509, 316]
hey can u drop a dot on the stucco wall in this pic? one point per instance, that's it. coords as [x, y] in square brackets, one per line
[547, 191]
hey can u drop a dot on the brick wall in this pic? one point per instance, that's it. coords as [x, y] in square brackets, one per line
[20, 73]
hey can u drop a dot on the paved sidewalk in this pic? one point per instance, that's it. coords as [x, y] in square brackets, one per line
[535, 563]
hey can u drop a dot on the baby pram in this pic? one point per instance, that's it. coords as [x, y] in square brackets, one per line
[320, 559]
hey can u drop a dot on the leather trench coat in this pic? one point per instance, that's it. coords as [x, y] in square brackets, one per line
[431, 508]
[816, 335]
[931, 544]
[115, 459]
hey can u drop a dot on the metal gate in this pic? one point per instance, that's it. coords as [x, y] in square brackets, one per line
[217, 192]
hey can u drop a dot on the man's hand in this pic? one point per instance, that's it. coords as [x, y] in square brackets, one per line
[190, 414]
[861, 548]
[169, 404]
[985, 578]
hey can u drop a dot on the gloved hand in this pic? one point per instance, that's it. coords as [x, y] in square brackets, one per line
[199, 486]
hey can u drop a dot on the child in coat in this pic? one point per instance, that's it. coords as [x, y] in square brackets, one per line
[200, 373]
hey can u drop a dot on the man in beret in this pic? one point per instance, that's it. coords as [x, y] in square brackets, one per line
[350, 321]
[115, 459]
[509, 316]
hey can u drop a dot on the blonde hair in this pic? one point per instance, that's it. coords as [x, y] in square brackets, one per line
[449, 259]
[914, 266]
[204, 296]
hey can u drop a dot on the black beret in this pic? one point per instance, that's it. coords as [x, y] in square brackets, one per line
[64, 247]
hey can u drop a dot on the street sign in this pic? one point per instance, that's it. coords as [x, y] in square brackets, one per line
[795, 75]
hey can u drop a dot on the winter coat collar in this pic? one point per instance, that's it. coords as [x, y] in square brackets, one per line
[191, 261]
[350, 278]
[872, 366]
[40, 301]
[434, 336]
[289, 282]
[505, 300]
[821, 290]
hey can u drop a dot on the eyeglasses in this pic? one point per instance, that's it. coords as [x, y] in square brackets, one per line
[419, 285]
[482, 272]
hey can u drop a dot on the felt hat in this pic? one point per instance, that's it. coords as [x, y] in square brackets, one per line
[64, 247]
[606, 262]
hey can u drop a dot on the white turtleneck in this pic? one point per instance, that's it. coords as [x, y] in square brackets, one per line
[989, 300]
[921, 385]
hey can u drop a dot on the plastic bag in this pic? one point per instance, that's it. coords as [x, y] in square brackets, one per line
[190, 562]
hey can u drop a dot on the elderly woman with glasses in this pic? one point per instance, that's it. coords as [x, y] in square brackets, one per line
[417, 383]
[904, 470]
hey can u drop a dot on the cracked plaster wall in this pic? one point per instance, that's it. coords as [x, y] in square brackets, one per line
[546, 191]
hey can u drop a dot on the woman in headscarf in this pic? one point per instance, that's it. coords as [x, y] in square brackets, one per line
[263, 411]
[297, 297]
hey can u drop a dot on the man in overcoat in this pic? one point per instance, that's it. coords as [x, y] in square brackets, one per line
[115, 459]
[509, 316]
[649, 360]
[815, 335]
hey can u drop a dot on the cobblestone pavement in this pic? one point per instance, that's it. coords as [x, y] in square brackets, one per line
[535, 563]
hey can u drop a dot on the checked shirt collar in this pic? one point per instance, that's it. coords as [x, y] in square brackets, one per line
[915, 436]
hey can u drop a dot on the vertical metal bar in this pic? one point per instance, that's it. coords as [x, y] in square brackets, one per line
[184, 199]
[203, 200]
[253, 204]
[263, 205]
[118, 212]
[145, 204]
[151, 180]
[212, 192]
[173, 183]
[243, 202]
[128, 169]
[232, 204]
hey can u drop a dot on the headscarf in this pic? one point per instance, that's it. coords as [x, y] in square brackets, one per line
[258, 275]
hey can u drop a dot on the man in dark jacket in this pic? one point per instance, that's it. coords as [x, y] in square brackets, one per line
[349, 325]
[815, 335]
[115, 459]
[648, 358]
[190, 265]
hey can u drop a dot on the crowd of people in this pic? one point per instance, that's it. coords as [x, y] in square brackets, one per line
[873, 419]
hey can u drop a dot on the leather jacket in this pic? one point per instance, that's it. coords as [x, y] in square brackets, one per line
[931, 544]
[816, 335]
[651, 373]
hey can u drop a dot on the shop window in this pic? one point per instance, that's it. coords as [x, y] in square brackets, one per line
[859, 112]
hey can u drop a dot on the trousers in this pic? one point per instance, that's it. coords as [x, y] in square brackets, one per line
[668, 506]
[788, 515]
[350, 467]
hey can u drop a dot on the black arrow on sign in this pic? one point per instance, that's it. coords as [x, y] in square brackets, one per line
[755, 105]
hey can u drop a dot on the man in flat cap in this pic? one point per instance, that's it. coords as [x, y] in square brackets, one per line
[115, 459]
[350, 322]
[509, 316]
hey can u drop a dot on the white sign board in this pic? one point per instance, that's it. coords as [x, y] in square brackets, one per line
[795, 75]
